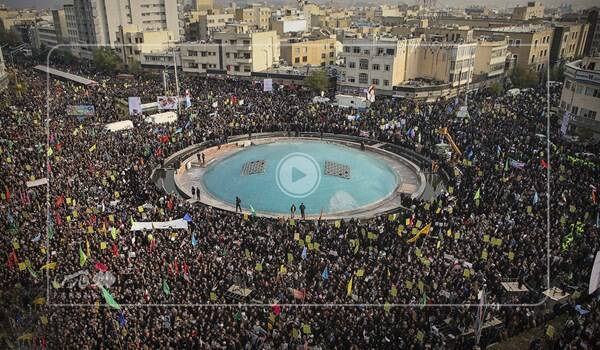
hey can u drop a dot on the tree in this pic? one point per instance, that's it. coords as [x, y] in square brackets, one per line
[496, 88]
[317, 81]
[106, 60]
[524, 77]
[134, 68]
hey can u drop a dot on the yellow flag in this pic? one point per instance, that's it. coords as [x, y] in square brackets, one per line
[349, 287]
[93, 148]
[49, 266]
[39, 301]
[27, 336]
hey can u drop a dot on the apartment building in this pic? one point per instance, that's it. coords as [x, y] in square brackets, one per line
[309, 51]
[592, 42]
[255, 15]
[443, 62]
[580, 96]
[72, 34]
[132, 43]
[98, 21]
[568, 41]
[44, 35]
[533, 9]
[529, 45]
[288, 24]
[447, 33]
[60, 24]
[206, 24]
[236, 51]
[491, 55]
[373, 61]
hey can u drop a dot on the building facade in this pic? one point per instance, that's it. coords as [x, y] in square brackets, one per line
[580, 97]
[3, 72]
[132, 43]
[310, 51]
[533, 9]
[206, 24]
[490, 58]
[568, 41]
[237, 51]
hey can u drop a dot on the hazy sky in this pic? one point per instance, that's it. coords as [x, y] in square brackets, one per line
[463, 3]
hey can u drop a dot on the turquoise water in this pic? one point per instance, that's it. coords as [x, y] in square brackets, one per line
[370, 179]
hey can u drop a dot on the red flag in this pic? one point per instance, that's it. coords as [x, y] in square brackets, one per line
[12, 259]
[544, 164]
[276, 309]
[185, 268]
[100, 266]
[59, 201]
[115, 249]
[298, 294]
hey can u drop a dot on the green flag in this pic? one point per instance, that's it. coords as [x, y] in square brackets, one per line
[252, 210]
[109, 299]
[237, 316]
[82, 257]
[477, 194]
[166, 288]
[33, 273]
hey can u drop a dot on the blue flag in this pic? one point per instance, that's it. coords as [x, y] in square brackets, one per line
[122, 320]
[187, 217]
[536, 198]
[304, 252]
[325, 273]
[194, 240]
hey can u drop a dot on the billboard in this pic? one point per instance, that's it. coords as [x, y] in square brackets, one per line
[81, 110]
[167, 102]
[135, 105]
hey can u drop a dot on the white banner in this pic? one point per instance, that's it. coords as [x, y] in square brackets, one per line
[595, 276]
[38, 182]
[268, 85]
[135, 105]
[178, 224]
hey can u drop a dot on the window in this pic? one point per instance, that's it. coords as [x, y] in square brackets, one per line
[352, 64]
[390, 52]
[297, 60]
[192, 53]
[351, 79]
[236, 68]
[347, 49]
[375, 66]
[380, 51]
[356, 49]
[367, 52]
[297, 50]
[331, 54]
[304, 59]
[375, 81]
[387, 67]
[363, 78]
[323, 56]
[386, 83]
[364, 64]
[574, 110]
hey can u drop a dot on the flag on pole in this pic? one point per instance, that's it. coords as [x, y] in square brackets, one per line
[122, 320]
[349, 288]
[325, 273]
[188, 99]
[304, 253]
[194, 240]
[109, 299]
[93, 148]
[252, 210]
[536, 198]
[477, 194]
[166, 288]
[82, 257]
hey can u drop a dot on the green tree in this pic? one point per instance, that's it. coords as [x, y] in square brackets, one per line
[496, 88]
[317, 81]
[134, 68]
[524, 77]
[106, 60]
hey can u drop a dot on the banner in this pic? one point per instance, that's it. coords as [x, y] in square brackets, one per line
[268, 85]
[167, 102]
[564, 124]
[81, 110]
[135, 105]
[595, 276]
[371, 93]
[160, 225]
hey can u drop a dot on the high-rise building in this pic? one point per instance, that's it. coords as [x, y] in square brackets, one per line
[98, 21]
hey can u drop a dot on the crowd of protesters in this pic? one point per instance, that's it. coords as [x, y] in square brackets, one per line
[491, 225]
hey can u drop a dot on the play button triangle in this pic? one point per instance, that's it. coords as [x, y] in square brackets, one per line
[297, 174]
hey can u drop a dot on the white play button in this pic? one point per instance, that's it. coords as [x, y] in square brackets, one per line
[298, 175]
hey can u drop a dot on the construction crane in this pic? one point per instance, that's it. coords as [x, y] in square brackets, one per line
[444, 132]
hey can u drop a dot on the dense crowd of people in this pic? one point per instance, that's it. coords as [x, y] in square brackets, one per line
[490, 225]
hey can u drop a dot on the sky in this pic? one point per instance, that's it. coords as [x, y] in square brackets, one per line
[40, 4]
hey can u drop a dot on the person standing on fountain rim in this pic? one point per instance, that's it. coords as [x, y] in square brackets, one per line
[293, 210]
[302, 210]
